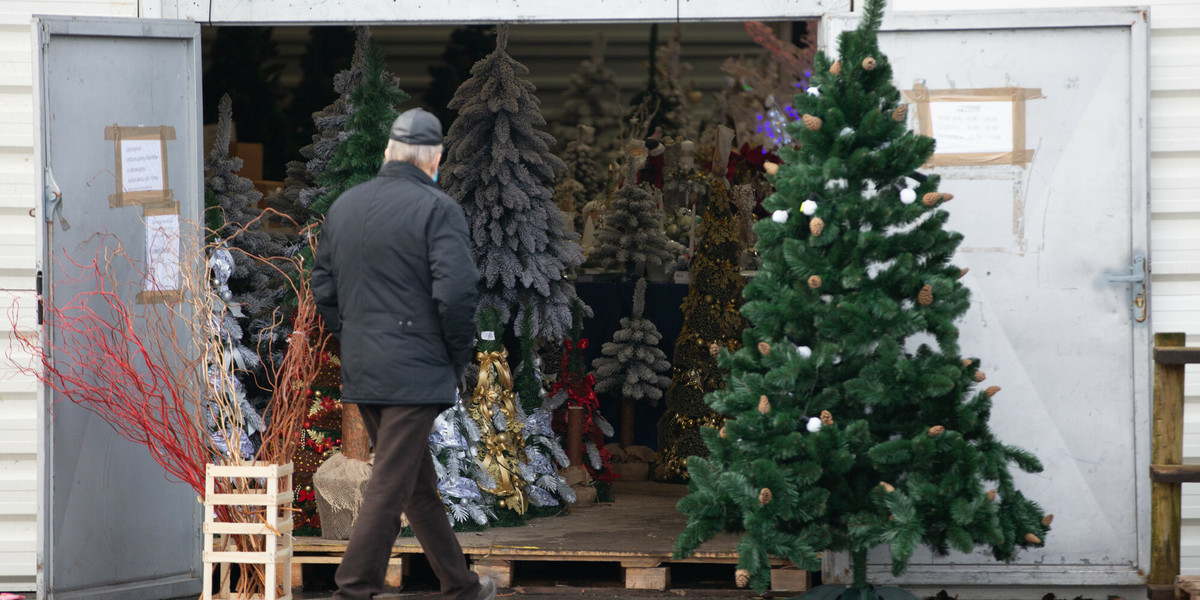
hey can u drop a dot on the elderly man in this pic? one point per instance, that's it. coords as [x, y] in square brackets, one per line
[394, 280]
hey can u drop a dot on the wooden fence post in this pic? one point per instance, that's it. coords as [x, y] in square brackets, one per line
[1166, 449]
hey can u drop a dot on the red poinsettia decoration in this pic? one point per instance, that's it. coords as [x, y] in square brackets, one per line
[581, 392]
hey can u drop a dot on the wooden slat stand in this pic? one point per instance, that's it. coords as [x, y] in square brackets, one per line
[264, 492]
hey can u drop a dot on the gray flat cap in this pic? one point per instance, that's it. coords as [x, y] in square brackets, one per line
[417, 127]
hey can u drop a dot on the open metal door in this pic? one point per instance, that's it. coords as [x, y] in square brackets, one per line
[1041, 124]
[112, 525]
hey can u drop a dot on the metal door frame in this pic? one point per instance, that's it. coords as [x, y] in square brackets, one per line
[43, 28]
[1135, 19]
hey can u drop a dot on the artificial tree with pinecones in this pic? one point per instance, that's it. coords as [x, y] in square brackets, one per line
[852, 420]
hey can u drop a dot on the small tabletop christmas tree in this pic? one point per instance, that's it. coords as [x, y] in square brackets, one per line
[544, 454]
[493, 406]
[711, 321]
[852, 419]
[632, 364]
[579, 389]
[632, 235]
[499, 167]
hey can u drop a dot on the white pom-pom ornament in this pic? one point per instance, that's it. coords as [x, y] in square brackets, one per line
[804, 351]
[908, 196]
[809, 207]
[814, 425]
[813, 91]
[780, 216]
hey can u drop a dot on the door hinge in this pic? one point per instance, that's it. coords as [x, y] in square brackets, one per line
[1138, 277]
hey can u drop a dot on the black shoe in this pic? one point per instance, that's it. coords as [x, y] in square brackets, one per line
[487, 588]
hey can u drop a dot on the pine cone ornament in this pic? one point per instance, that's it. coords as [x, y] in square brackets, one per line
[991, 495]
[714, 349]
[900, 113]
[814, 282]
[1032, 539]
[868, 63]
[764, 348]
[963, 272]
[764, 405]
[992, 391]
[741, 577]
[826, 418]
[722, 432]
[947, 197]
[764, 496]
[931, 198]
[979, 376]
[936, 430]
[836, 68]
[771, 168]
[966, 362]
[925, 297]
[811, 122]
[1046, 520]
[887, 487]
[816, 225]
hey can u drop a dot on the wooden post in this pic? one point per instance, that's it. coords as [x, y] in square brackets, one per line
[575, 435]
[1166, 449]
[356, 443]
[628, 418]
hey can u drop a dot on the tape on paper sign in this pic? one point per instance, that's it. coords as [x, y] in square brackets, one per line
[974, 127]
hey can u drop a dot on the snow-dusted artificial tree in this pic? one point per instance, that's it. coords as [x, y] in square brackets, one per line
[584, 164]
[254, 284]
[632, 366]
[230, 356]
[592, 98]
[499, 167]
[632, 235]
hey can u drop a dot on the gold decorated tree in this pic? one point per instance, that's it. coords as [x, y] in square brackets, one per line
[493, 407]
[711, 321]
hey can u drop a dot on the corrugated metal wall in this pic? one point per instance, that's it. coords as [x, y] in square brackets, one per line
[19, 405]
[1174, 194]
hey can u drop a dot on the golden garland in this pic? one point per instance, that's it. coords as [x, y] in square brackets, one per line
[502, 450]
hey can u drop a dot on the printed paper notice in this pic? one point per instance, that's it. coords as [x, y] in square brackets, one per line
[141, 165]
[162, 253]
[972, 127]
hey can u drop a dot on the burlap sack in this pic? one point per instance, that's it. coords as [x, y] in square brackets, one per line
[639, 453]
[631, 471]
[339, 484]
[585, 496]
[616, 451]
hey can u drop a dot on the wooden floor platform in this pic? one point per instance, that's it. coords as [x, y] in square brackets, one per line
[1187, 587]
[637, 531]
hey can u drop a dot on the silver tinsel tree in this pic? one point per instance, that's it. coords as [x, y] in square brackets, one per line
[454, 444]
[499, 167]
[632, 365]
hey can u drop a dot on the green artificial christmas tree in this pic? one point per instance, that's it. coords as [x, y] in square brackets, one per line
[852, 421]
[373, 106]
[711, 321]
[632, 366]
[499, 167]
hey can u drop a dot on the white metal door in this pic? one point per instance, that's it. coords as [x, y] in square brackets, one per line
[1044, 235]
[112, 525]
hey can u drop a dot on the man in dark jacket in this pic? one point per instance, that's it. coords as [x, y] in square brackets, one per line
[395, 281]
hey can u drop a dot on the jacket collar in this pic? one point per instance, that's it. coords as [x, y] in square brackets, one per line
[405, 170]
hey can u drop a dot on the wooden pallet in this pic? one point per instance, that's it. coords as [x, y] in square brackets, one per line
[1187, 587]
[637, 532]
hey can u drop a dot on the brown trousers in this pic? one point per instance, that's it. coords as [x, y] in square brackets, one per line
[402, 481]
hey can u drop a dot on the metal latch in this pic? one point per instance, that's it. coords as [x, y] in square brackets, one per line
[1139, 273]
[52, 203]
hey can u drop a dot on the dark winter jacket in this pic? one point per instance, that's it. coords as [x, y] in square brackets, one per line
[395, 281]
